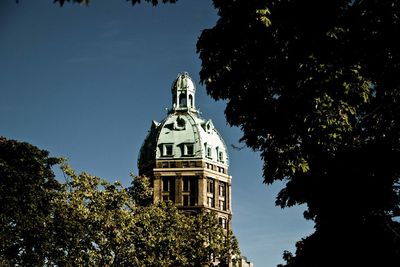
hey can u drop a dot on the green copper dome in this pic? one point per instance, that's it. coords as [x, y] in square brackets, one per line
[183, 134]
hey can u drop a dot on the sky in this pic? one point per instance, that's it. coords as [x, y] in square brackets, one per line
[85, 82]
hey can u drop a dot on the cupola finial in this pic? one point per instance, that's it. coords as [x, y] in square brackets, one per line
[183, 93]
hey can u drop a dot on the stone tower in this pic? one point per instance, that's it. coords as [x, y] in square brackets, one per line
[186, 158]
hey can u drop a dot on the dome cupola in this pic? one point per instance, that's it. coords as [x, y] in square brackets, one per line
[183, 134]
[183, 93]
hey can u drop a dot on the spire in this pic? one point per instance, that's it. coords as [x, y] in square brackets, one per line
[183, 93]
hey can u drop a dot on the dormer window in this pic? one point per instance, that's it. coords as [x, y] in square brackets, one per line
[179, 124]
[167, 150]
[208, 126]
[188, 149]
[220, 156]
[207, 150]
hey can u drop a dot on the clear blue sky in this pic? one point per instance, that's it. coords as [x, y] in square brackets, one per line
[85, 83]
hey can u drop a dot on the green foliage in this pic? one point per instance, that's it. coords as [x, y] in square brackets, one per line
[90, 222]
[314, 86]
[141, 191]
[27, 187]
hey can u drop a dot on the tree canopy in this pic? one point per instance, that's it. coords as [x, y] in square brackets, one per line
[27, 187]
[314, 86]
[88, 221]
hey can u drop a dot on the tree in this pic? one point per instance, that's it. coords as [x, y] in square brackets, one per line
[103, 224]
[27, 188]
[90, 222]
[314, 86]
[141, 191]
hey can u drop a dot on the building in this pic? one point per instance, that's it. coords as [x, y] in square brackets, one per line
[186, 158]
[243, 262]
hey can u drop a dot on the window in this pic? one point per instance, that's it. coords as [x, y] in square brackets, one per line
[168, 188]
[210, 201]
[222, 221]
[210, 186]
[186, 200]
[188, 149]
[222, 189]
[193, 199]
[191, 101]
[180, 123]
[221, 156]
[193, 187]
[167, 150]
[209, 152]
[222, 205]
[208, 126]
[182, 100]
[190, 190]
[186, 184]
[166, 184]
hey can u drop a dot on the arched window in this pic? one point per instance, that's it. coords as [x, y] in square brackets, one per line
[182, 100]
[190, 101]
